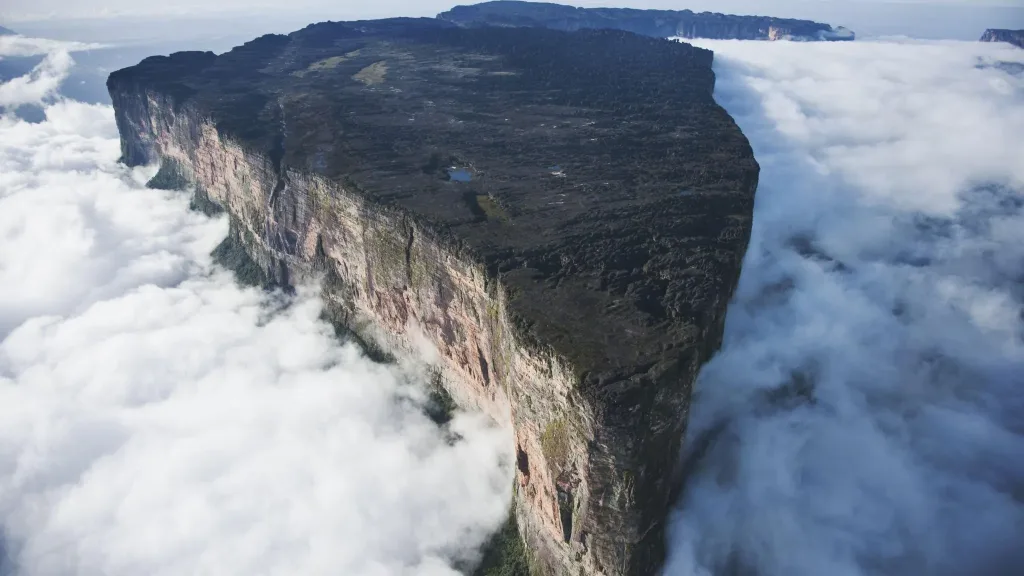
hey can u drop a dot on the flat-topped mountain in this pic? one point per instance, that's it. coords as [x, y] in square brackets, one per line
[658, 23]
[1015, 37]
[560, 216]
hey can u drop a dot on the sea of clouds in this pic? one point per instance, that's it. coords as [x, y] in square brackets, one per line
[155, 418]
[866, 413]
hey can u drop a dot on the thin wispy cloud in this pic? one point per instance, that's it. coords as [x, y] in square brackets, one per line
[155, 418]
[18, 45]
[42, 82]
[866, 412]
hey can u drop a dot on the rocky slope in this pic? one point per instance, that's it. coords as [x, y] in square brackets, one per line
[558, 219]
[658, 23]
[1015, 37]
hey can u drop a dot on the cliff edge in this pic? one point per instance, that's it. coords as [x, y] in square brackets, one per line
[1015, 37]
[657, 23]
[560, 217]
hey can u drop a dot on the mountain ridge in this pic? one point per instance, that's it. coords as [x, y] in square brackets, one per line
[656, 23]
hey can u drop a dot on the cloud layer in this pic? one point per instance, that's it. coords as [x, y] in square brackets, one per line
[157, 419]
[42, 82]
[866, 412]
[17, 45]
[45, 79]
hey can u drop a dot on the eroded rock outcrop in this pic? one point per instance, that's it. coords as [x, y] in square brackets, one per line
[1015, 37]
[561, 217]
[657, 23]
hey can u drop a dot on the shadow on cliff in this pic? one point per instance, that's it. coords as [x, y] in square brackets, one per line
[865, 414]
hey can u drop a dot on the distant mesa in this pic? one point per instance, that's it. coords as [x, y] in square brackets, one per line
[1015, 37]
[657, 23]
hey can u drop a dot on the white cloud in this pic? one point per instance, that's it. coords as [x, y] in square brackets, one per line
[157, 419]
[41, 83]
[18, 45]
[866, 412]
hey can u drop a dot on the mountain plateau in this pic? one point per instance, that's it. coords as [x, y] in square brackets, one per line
[556, 219]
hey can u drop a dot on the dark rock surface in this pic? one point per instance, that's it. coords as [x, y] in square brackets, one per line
[627, 242]
[603, 194]
[657, 23]
[1015, 37]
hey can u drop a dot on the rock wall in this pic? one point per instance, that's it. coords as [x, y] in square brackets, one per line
[406, 287]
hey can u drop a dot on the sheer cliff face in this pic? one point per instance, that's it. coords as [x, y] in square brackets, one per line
[569, 279]
[1015, 37]
[657, 23]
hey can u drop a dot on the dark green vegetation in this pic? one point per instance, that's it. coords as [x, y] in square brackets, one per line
[231, 254]
[201, 203]
[504, 555]
[379, 355]
[657, 23]
[168, 177]
[440, 406]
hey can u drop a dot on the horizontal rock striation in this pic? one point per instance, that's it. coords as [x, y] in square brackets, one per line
[657, 23]
[558, 218]
[1015, 37]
